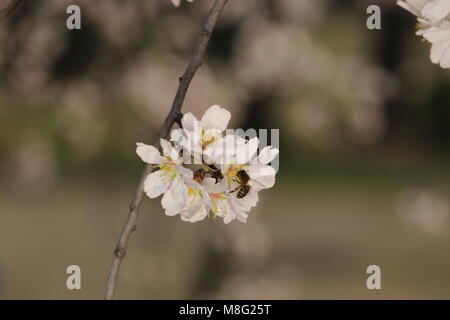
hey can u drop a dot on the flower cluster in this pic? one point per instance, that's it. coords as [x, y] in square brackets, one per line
[434, 25]
[206, 171]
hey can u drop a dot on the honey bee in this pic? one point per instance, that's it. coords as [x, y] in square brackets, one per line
[199, 175]
[244, 187]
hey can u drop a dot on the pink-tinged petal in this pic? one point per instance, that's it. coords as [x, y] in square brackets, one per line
[189, 121]
[262, 176]
[267, 155]
[216, 117]
[436, 10]
[148, 154]
[156, 184]
[174, 199]
[248, 151]
[176, 3]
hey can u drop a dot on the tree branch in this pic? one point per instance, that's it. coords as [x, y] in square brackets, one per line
[4, 13]
[175, 111]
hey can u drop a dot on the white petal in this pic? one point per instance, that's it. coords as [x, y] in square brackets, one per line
[176, 3]
[435, 35]
[198, 216]
[413, 6]
[148, 154]
[229, 215]
[189, 121]
[174, 199]
[436, 52]
[226, 149]
[246, 153]
[216, 117]
[169, 150]
[248, 202]
[445, 59]
[263, 176]
[186, 173]
[436, 10]
[236, 211]
[267, 155]
[156, 184]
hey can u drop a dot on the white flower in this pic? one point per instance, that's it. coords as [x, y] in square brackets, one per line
[187, 198]
[226, 205]
[227, 178]
[433, 25]
[177, 3]
[262, 176]
[169, 164]
[200, 138]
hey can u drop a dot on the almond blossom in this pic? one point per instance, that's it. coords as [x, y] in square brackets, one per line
[226, 175]
[169, 165]
[262, 175]
[200, 138]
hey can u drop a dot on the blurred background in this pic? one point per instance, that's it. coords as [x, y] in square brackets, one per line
[364, 137]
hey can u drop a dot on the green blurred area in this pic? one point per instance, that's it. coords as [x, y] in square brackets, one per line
[364, 162]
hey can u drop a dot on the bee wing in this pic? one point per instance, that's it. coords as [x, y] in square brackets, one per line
[257, 185]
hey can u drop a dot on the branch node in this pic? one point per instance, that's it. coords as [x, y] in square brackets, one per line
[120, 252]
[178, 119]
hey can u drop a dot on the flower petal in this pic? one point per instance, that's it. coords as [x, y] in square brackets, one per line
[169, 150]
[267, 155]
[262, 176]
[435, 35]
[249, 201]
[437, 50]
[198, 216]
[156, 184]
[148, 154]
[216, 117]
[246, 152]
[189, 121]
[174, 199]
[436, 10]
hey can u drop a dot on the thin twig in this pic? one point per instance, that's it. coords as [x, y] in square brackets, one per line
[175, 111]
[4, 13]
